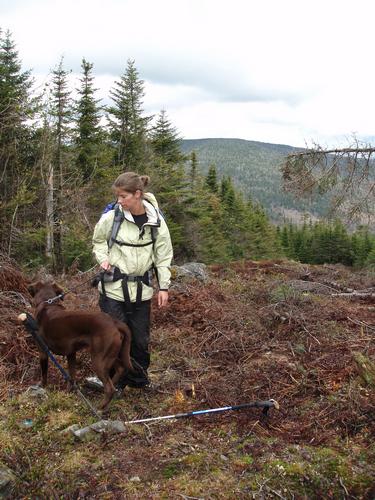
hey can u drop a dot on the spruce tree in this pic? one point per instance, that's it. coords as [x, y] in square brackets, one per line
[362, 245]
[165, 141]
[210, 242]
[193, 169]
[127, 124]
[16, 107]
[284, 240]
[61, 112]
[88, 117]
[211, 179]
[260, 235]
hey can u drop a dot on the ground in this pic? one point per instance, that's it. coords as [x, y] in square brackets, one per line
[253, 331]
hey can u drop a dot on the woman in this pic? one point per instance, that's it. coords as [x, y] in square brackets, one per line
[130, 241]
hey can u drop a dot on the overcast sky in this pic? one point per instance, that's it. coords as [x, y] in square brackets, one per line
[288, 72]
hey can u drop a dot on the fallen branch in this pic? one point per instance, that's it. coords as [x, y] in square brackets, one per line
[361, 323]
[355, 294]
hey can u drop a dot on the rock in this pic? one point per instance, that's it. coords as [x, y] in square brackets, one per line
[84, 434]
[36, 392]
[188, 271]
[135, 479]
[110, 426]
[71, 429]
[7, 479]
[94, 430]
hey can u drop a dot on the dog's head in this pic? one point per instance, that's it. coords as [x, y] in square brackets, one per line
[41, 291]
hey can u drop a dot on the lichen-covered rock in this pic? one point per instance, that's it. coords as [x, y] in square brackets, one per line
[36, 392]
[190, 270]
[7, 479]
[91, 432]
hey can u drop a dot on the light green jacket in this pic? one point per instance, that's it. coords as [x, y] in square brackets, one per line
[135, 260]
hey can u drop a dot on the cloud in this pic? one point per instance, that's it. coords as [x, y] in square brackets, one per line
[208, 45]
[273, 71]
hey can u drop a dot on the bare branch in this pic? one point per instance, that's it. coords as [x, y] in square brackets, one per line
[347, 174]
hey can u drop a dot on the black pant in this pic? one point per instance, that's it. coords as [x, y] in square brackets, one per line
[139, 323]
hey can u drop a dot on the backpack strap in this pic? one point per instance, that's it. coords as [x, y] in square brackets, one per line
[123, 244]
[117, 221]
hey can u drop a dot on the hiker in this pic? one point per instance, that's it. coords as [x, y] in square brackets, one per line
[131, 242]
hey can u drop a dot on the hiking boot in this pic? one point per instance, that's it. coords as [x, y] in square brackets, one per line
[97, 384]
[94, 383]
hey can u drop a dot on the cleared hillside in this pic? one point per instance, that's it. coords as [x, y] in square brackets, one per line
[255, 169]
[253, 331]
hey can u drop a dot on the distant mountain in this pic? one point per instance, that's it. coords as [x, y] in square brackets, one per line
[255, 169]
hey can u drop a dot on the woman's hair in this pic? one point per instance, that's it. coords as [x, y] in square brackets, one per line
[130, 181]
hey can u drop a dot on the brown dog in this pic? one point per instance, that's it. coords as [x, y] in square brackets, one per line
[66, 332]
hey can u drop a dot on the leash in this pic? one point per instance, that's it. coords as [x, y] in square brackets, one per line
[70, 290]
[266, 405]
[32, 327]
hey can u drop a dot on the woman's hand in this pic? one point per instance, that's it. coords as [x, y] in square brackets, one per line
[162, 298]
[105, 265]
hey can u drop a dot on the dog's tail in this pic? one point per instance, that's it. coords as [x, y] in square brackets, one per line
[124, 354]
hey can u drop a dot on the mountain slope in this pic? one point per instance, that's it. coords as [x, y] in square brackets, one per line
[255, 169]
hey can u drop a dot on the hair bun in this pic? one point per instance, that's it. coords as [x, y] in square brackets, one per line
[145, 179]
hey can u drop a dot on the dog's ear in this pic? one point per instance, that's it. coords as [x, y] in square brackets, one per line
[34, 287]
[57, 289]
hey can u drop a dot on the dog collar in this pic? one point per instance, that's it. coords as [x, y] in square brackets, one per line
[51, 301]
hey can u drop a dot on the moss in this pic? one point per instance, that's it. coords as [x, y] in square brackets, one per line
[171, 470]
[242, 463]
[195, 459]
[365, 368]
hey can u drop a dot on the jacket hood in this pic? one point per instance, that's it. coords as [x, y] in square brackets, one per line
[152, 210]
[151, 198]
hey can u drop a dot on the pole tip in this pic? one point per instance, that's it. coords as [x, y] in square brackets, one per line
[22, 317]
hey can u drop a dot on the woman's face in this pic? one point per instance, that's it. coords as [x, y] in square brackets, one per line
[128, 201]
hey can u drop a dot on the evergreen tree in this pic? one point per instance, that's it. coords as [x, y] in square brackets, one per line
[362, 245]
[284, 240]
[165, 141]
[211, 179]
[233, 222]
[370, 260]
[127, 123]
[62, 114]
[88, 117]
[170, 184]
[341, 244]
[205, 230]
[16, 107]
[193, 169]
[261, 238]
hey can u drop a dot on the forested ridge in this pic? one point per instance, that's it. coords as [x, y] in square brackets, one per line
[255, 169]
[60, 152]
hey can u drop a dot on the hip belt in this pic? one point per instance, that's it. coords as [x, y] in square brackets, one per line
[116, 275]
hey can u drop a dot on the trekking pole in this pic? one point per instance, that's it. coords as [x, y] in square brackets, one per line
[266, 405]
[32, 327]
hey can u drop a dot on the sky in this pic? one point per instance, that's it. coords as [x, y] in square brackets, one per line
[286, 72]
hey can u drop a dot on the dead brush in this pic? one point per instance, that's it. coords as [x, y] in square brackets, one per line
[11, 277]
[269, 342]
